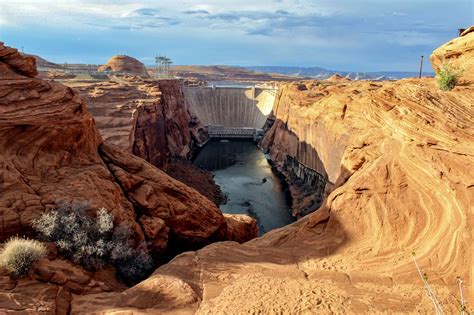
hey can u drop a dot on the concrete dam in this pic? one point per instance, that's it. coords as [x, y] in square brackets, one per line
[231, 112]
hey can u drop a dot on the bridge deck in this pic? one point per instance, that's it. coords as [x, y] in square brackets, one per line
[234, 132]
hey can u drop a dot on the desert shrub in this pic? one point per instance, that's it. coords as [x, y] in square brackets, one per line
[93, 242]
[448, 76]
[19, 255]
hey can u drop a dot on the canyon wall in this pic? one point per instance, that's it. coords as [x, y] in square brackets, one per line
[301, 140]
[149, 118]
[398, 156]
[52, 151]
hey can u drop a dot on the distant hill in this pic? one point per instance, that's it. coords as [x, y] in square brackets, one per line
[223, 73]
[321, 73]
[43, 63]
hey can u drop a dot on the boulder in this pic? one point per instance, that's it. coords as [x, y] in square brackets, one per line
[239, 227]
[459, 52]
[125, 65]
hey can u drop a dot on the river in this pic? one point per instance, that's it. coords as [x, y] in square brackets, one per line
[246, 177]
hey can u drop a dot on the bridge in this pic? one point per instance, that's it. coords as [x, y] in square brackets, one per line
[234, 133]
[232, 112]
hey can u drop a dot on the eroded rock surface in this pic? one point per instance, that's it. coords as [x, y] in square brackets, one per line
[147, 117]
[52, 150]
[125, 65]
[398, 158]
[459, 52]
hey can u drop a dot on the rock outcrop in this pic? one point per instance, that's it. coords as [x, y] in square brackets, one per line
[52, 150]
[164, 128]
[50, 285]
[459, 52]
[43, 63]
[125, 65]
[147, 117]
[398, 158]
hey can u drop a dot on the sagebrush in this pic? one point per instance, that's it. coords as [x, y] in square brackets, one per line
[94, 242]
[448, 76]
[19, 255]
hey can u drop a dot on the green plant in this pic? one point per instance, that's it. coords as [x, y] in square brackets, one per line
[448, 76]
[18, 255]
[93, 242]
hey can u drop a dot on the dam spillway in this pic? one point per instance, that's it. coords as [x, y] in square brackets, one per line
[231, 112]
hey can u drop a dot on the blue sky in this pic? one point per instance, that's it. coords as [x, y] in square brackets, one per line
[351, 35]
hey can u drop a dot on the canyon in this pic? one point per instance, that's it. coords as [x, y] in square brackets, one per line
[379, 172]
[52, 151]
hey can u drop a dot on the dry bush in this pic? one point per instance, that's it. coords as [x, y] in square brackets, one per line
[94, 242]
[19, 255]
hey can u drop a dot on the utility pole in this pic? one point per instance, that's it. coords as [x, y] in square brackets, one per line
[421, 66]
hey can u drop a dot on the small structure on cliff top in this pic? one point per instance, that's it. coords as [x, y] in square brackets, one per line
[163, 64]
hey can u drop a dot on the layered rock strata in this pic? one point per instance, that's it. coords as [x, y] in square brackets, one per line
[151, 119]
[397, 158]
[52, 150]
[123, 109]
[459, 53]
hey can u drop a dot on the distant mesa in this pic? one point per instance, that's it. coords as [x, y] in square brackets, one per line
[337, 78]
[124, 64]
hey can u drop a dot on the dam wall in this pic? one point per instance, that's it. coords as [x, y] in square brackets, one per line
[231, 107]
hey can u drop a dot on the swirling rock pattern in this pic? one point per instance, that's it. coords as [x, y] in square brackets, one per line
[399, 156]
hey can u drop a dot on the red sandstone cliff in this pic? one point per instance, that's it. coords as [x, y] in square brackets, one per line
[151, 119]
[165, 128]
[52, 150]
[147, 117]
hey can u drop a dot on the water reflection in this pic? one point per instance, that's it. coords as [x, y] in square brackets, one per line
[244, 174]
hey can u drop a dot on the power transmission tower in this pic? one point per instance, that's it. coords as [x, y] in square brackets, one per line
[162, 66]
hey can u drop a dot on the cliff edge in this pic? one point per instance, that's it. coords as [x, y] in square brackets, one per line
[397, 157]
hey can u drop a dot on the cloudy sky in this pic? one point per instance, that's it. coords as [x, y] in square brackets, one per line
[352, 35]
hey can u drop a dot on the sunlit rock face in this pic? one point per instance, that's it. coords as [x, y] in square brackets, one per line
[150, 118]
[124, 65]
[52, 151]
[459, 53]
[399, 156]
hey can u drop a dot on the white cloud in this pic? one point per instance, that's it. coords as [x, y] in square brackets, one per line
[301, 30]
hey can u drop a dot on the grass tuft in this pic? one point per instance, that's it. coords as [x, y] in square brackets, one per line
[19, 255]
[448, 76]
